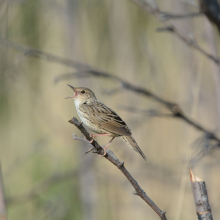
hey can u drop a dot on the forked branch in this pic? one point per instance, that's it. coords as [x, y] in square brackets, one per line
[151, 7]
[120, 165]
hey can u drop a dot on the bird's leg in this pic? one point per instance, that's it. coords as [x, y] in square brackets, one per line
[105, 148]
[93, 136]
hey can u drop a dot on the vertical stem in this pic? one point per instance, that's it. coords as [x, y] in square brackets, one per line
[200, 197]
[3, 211]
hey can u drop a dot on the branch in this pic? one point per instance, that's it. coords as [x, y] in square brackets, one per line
[200, 197]
[176, 112]
[211, 9]
[28, 51]
[168, 26]
[89, 71]
[3, 210]
[120, 165]
[202, 146]
[168, 16]
[148, 112]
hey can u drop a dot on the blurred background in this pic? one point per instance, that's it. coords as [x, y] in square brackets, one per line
[46, 173]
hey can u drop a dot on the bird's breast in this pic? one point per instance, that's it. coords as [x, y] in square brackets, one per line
[88, 122]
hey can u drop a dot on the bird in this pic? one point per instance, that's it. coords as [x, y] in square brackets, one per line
[101, 119]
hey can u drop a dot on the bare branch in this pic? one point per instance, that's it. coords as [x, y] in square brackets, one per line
[202, 146]
[148, 112]
[211, 9]
[28, 51]
[177, 112]
[3, 210]
[200, 197]
[168, 16]
[81, 139]
[120, 165]
[173, 29]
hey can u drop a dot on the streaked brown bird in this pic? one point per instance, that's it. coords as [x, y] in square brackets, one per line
[101, 119]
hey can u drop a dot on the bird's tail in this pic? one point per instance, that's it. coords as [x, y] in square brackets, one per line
[132, 144]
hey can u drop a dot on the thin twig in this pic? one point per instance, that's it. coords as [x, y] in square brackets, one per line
[173, 29]
[178, 113]
[81, 139]
[3, 209]
[120, 165]
[168, 16]
[31, 52]
[149, 112]
[84, 140]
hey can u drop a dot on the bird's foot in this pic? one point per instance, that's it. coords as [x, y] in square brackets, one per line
[104, 148]
[92, 136]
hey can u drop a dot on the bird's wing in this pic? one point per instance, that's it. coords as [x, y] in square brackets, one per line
[105, 118]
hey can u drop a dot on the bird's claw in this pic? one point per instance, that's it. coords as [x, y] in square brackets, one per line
[103, 155]
[92, 136]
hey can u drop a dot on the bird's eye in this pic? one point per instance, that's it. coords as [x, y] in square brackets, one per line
[83, 91]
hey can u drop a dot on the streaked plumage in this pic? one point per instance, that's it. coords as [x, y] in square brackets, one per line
[101, 119]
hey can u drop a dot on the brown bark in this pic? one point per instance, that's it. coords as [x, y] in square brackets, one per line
[200, 197]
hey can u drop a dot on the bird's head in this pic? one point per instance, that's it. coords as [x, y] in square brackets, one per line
[81, 94]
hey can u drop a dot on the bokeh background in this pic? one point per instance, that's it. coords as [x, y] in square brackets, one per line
[46, 173]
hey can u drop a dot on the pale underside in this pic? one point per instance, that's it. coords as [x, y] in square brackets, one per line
[101, 119]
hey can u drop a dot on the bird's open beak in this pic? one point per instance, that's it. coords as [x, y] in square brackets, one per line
[71, 97]
[71, 86]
